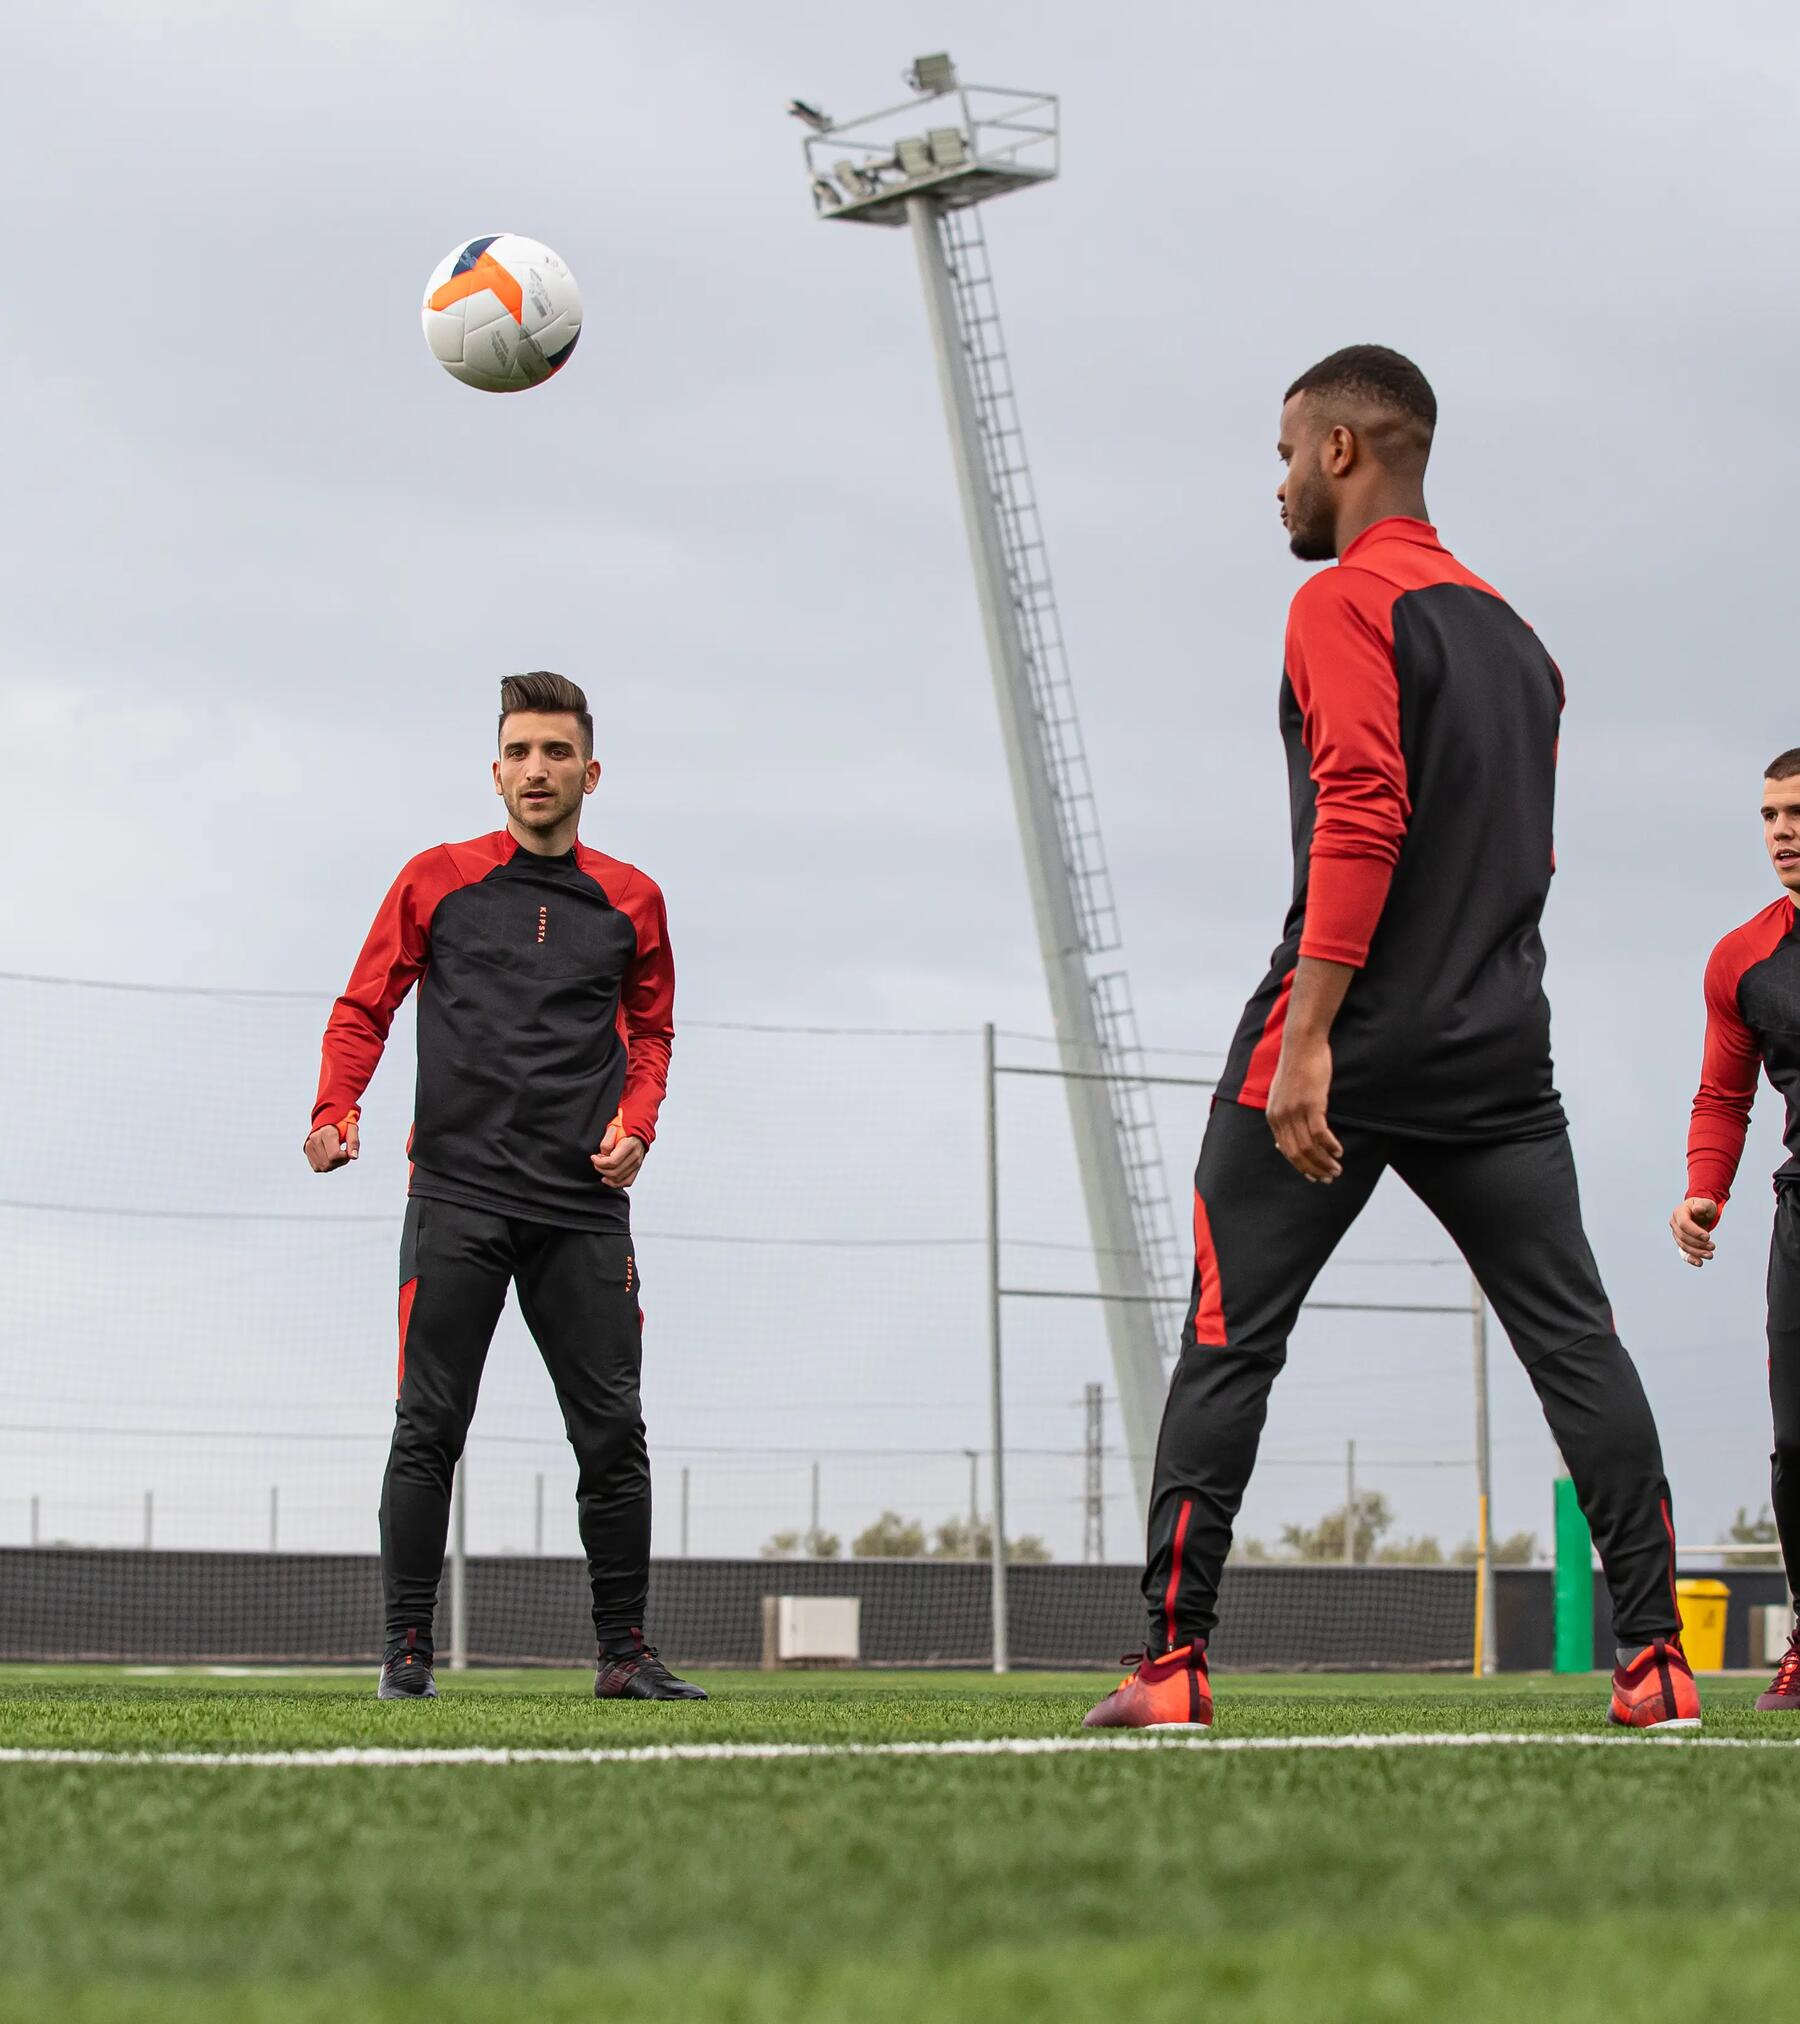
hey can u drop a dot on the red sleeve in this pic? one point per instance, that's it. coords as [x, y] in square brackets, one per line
[1728, 1071]
[394, 954]
[647, 1011]
[1340, 661]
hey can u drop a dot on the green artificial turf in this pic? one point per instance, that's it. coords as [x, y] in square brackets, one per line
[1426, 1884]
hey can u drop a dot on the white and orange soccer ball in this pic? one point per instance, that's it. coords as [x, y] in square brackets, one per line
[501, 313]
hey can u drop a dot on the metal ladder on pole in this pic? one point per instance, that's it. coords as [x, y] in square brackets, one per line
[1053, 699]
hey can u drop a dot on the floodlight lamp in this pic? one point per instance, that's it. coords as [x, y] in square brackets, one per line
[931, 75]
[914, 157]
[949, 147]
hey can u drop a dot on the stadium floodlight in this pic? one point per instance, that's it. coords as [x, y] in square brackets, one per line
[914, 156]
[931, 75]
[985, 143]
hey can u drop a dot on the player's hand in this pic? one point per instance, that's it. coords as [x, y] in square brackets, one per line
[326, 1151]
[1690, 1224]
[620, 1156]
[1296, 1110]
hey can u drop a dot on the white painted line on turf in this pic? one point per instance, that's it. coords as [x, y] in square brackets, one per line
[245, 1672]
[354, 1758]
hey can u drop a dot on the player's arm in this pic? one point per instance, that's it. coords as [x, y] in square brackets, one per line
[647, 1003]
[1721, 1115]
[1340, 660]
[393, 955]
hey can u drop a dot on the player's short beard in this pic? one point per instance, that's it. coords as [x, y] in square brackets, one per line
[1311, 537]
[540, 818]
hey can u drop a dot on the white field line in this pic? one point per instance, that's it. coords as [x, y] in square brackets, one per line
[987, 1746]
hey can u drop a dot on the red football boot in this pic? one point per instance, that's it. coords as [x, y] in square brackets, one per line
[1656, 1691]
[1783, 1696]
[1170, 1692]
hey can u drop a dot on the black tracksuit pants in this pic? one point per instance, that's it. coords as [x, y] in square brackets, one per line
[578, 1292]
[1784, 1377]
[1262, 1233]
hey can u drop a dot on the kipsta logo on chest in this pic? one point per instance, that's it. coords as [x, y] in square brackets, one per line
[543, 922]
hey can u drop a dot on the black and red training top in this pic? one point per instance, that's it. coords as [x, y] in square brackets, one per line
[1420, 715]
[546, 1009]
[1752, 1022]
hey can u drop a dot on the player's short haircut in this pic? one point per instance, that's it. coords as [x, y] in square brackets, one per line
[544, 691]
[1784, 766]
[1385, 386]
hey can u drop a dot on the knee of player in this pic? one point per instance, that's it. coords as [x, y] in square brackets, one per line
[431, 1427]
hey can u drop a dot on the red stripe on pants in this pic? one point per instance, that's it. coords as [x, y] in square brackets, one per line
[1209, 1313]
[1267, 1052]
[1174, 1587]
[406, 1305]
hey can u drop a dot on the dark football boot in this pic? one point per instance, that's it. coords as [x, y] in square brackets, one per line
[406, 1672]
[637, 1674]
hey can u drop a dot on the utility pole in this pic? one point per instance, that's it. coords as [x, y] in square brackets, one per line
[926, 165]
[1093, 1530]
[1349, 1503]
[459, 1567]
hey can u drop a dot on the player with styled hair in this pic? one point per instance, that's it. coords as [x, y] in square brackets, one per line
[546, 1008]
[1402, 1024]
[1753, 1026]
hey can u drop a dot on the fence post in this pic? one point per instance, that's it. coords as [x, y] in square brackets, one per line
[149, 1518]
[1574, 1647]
[1484, 1551]
[1349, 1503]
[459, 1593]
[995, 1389]
[684, 1514]
[274, 1518]
[537, 1517]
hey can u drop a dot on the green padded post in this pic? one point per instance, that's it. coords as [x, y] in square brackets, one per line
[1574, 1643]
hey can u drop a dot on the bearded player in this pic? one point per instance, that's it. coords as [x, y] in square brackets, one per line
[1752, 1025]
[1402, 1024]
[546, 1005]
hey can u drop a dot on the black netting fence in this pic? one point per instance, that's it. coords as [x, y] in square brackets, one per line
[183, 1607]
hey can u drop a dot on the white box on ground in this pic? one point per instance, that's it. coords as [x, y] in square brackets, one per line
[818, 1629]
[1770, 1623]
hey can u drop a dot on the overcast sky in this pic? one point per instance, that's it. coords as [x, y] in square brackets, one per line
[264, 562]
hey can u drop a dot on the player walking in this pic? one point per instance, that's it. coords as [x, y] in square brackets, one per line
[546, 1004]
[1752, 1023]
[1402, 1023]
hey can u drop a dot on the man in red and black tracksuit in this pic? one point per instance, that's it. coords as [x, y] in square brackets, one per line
[1402, 1024]
[545, 1017]
[1752, 1027]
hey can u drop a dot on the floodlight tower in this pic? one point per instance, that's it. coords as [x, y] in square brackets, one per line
[926, 165]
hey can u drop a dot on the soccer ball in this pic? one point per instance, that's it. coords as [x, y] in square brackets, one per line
[501, 313]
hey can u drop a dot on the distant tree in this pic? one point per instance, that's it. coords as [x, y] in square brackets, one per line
[1758, 1531]
[1325, 1540]
[1421, 1552]
[802, 1546]
[891, 1537]
[1516, 1549]
[953, 1541]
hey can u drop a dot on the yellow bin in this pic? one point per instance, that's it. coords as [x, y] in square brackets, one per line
[1702, 1605]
